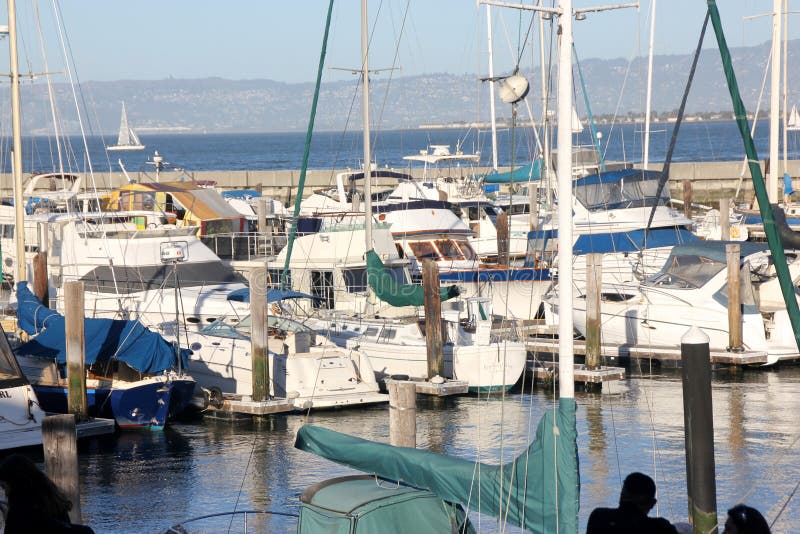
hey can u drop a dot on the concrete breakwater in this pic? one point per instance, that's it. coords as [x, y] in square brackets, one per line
[709, 181]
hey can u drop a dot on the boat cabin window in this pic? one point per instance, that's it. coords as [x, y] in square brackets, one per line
[474, 213]
[624, 193]
[274, 278]
[398, 274]
[9, 370]
[423, 250]
[355, 280]
[517, 209]
[322, 287]
[686, 272]
[448, 249]
[7, 231]
[467, 252]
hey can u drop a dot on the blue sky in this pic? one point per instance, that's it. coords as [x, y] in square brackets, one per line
[280, 39]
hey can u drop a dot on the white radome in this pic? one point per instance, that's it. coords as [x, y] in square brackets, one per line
[513, 89]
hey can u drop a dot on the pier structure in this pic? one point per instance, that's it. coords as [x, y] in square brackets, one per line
[709, 180]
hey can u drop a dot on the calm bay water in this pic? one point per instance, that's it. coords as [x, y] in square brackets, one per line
[145, 482]
[698, 141]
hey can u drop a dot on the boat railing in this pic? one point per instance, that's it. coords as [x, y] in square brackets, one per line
[248, 520]
[245, 245]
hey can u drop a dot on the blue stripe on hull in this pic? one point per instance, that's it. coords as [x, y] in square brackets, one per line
[495, 275]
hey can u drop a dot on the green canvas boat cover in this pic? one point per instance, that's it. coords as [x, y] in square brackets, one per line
[538, 491]
[390, 290]
[364, 504]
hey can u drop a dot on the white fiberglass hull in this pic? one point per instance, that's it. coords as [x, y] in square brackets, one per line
[20, 417]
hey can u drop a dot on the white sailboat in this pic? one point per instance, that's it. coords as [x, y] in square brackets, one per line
[127, 140]
[793, 124]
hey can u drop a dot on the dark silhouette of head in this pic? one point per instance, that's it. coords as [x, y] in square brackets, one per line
[29, 490]
[745, 520]
[640, 490]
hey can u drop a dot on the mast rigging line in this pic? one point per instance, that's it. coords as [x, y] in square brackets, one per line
[671, 150]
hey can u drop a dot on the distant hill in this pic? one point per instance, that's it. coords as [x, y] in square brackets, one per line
[219, 105]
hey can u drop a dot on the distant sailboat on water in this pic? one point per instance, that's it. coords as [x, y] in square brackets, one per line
[127, 140]
[793, 124]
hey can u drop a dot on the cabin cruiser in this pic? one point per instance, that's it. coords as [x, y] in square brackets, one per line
[334, 267]
[304, 368]
[691, 289]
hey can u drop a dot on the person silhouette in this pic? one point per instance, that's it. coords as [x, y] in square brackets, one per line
[35, 504]
[745, 520]
[637, 498]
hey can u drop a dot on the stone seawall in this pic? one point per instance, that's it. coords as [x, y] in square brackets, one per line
[710, 181]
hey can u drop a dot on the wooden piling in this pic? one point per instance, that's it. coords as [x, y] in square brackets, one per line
[433, 318]
[724, 218]
[76, 349]
[594, 284]
[501, 226]
[699, 431]
[60, 445]
[687, 198]
[258, 341]
[403, 414]
[40, 284]
[533, 190]
[261, 214]
[734, 298]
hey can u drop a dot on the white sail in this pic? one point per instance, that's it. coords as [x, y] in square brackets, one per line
[127, 139]
[794, 120]
[577, 125]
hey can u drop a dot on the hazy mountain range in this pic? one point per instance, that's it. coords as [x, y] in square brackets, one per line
[220, 105]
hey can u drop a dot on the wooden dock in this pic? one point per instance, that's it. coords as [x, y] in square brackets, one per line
[443, 389]
[649, 352]
[548, 371]
[94, 427]
[244, 405]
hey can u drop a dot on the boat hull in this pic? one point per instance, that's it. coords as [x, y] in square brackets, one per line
[144, 404]
[20, 417]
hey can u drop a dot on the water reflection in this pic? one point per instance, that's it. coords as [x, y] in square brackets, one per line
[147, 481]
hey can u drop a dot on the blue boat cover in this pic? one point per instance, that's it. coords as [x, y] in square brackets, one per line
[273, 295]
[126, 341]
[632, 241]
[609, 177]
[526, 173]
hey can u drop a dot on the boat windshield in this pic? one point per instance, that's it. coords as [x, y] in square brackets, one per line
[686, 272]
[630, 192]
[443, 249]
[241, 330]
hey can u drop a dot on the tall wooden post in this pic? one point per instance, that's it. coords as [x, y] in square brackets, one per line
[258, 341]
[61, 458]
[433, 318]
[687, 198]
[698, 423]
[261, 214]
[533, 189]
[76, 349]
[40, 282]
[734, 298]
[594, 285]
[725, 219]
[403, 414]
[501, 225]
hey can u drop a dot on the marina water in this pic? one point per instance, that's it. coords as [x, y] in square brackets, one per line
[145, 482]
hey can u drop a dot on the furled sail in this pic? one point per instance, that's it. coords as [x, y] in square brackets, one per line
[538, 491]
[388, 289]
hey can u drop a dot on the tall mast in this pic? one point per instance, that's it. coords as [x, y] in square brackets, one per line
[491, 85]
[785, 84]
[774, 106]
[545, 117]
[564, 173]
[16, 162]
[646, 160]
[365, 105]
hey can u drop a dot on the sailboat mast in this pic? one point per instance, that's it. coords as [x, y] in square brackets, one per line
[646, 160]
[365, 105]
[774, 105]
[545, 113]
[784, 74]
[564, 175]
[16, 130]
[493, 118]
